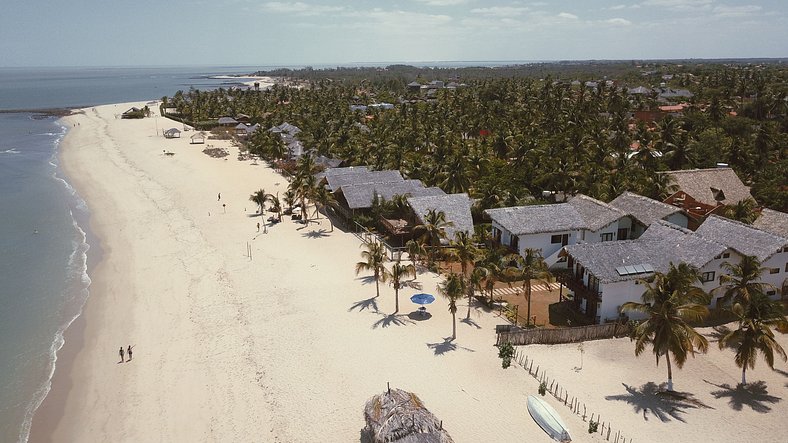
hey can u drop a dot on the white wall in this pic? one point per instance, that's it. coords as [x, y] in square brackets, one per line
[616, 294]
[678, 219]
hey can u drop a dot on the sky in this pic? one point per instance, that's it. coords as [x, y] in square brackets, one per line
[319, 32]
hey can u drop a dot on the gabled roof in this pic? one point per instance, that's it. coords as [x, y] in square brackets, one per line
[644, 209]
[639, 90]
[745, 239]
[661, 244]
[596, 214]
[227, 121]
[337, 181]
[775, 222]
[198, 135]
[456, 208]
[360, 196]
[172, 131]
[711, 186]
[581, 212]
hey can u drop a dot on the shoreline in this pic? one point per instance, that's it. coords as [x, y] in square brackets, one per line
[230, 346]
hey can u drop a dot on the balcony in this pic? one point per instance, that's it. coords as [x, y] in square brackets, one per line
[577, 286]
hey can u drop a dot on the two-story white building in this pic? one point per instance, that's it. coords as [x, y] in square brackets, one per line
[548, 228]
[646, 211]
[604, 276]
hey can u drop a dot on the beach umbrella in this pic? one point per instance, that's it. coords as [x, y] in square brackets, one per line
[422, 299]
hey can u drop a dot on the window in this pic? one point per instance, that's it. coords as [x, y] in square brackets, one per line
[496, 234]
[560, 238]
[726, 255]
[770, 293]
[786, 267]
[515, 243]
[607, 236]
[707, 276]
[623, 234]
[774, 271]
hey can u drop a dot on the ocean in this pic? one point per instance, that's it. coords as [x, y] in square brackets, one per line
[46, 253]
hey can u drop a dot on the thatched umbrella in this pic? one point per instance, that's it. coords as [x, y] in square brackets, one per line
[397, 416]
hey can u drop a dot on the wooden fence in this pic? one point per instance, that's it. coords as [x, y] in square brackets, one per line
[563, 335]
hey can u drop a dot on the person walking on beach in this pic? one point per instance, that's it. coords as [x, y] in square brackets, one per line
[258, 226]
[220, 197]
[128, 351]
[122, 359]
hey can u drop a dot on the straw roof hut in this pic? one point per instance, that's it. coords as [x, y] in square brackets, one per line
[397, 416]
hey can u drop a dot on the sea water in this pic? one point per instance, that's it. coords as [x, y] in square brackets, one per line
[44, 250]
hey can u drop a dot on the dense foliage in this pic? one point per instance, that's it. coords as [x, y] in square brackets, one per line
[511, 135]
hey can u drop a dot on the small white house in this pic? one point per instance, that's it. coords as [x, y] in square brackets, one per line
[548, 228]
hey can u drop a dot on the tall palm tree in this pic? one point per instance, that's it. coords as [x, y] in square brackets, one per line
[754, 334]
[453, 288]
[324, 198]
[374, 257]
[396, 275]
[464, 251]
[432, 231]
[415, 250]
[743, 211]
[741, 281]
[259, 197]
[528, 267]
[669, 301]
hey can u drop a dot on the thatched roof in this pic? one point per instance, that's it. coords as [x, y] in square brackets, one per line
[362, 195]
[398, 416]
[711, 186]
[744, 238]
[456, 208]
[646, 210]
[359, 177]
[775, 222]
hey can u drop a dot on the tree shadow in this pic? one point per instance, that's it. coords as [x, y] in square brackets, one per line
[651, 398]
[754, 395]
[392, 320]
[367, 279]
[370, 304]
[321, 233]
[447, 345]
[413, 284]
[470, 321]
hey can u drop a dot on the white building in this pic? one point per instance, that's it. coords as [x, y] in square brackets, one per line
[604, 276]
[548, 228]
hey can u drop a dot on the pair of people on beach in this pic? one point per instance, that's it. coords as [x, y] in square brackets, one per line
[122, 355]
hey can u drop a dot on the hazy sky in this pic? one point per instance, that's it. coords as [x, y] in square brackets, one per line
[255, 32]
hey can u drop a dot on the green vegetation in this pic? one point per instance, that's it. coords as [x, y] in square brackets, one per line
[506, 353]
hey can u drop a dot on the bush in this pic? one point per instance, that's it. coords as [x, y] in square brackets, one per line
[593, 426]
[542, 388]
[505, 353]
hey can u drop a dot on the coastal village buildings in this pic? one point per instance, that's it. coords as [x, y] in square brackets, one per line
[775, 222]
[288, 133]
[646, 211]
[548, 228]
[604, 276]
[701, 192]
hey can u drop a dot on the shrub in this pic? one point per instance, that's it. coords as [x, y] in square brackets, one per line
[593, 426]
[505, 353]
[542, 388]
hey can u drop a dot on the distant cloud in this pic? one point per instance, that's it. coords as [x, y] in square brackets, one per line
[735, 11]
[500, 11]
[443, 2]
[617, 7]
[567, 15]
[299, 8]
[618, 21]
[679, 5]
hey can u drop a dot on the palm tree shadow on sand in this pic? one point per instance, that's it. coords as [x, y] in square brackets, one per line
[315, 233]
[652, 399]
[447, 345]
[470, 321]
[755, 395]
[370, 304]
[392, 320]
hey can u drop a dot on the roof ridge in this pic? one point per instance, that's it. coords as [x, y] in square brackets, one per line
[745, 225]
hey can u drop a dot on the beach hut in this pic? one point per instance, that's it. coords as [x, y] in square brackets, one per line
[398, 416]
[227, 121]
[172, 133]
[198, 138]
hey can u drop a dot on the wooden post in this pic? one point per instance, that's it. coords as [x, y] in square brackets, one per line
[388, 387]
[608, 431]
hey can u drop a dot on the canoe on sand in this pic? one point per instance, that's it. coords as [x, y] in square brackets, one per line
[545, 416]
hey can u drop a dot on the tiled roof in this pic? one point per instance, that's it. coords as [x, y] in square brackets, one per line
[581, 212]
[360, 196]
[661, 244]
[705, 184]
[644, 209]
[456, 207]
[775, 222]
[745, 239]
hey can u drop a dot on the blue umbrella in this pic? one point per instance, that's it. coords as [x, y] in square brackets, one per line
[422, 299]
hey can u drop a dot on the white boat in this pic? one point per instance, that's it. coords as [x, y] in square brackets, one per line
[545, 416]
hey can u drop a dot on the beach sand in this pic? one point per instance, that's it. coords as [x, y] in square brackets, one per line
[286, 346]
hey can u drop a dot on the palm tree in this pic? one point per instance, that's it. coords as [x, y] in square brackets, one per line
[755, 334]
[324, 198]
[259, 197]
[432, 231]
[453, 288]
[528, 267]
[743, 211]
[395, 276]
[670, 300]
[415, 250]
[374, 258]
[464, 251]
[741, 281]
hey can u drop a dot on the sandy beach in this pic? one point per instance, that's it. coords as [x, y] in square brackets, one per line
[286, 346]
